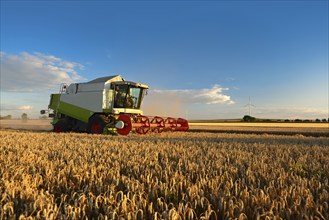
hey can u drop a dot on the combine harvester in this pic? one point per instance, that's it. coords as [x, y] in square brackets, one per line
[107, 105]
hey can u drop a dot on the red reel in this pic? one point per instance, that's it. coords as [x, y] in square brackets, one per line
[127, 124]
[143, 124]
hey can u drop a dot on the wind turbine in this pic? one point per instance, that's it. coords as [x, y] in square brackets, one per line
[249, 105]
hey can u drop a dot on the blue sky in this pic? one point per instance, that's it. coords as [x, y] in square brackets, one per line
[202, 59]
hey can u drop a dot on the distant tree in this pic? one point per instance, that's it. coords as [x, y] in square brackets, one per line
[6, 117]
[287, 120]
[24, 117]
[248, 118]
[325, 120]
[298, 120]
[317, 120]
[43, 117]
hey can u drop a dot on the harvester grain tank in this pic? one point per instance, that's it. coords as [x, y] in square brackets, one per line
[108, 105]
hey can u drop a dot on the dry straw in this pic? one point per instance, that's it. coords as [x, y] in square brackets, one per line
[163, 176]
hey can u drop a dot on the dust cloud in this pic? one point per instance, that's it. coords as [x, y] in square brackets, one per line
[163, 105]
[32, 124]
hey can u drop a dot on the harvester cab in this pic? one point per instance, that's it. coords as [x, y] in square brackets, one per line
[128, 95]
[108, 105]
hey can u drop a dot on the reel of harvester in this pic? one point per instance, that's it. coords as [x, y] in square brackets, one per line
[144, 124]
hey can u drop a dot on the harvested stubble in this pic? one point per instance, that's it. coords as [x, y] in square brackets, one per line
[306, 129]
[163, 176]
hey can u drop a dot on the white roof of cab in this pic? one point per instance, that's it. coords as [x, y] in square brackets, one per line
[106, 79]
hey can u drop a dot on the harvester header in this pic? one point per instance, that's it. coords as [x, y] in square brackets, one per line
[108, 105]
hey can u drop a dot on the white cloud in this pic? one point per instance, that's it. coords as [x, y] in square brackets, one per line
[25, 107]
[12, 107]
[16, 110]
[201, 96]
[9, 107]
[36, 72]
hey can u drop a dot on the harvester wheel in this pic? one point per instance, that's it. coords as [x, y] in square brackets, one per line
[61, 126]
[96, 125]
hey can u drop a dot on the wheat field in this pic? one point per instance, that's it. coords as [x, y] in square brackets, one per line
[163, 176]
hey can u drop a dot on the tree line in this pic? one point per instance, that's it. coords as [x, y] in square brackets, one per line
[248, 118]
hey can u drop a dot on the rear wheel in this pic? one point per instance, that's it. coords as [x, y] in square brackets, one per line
[96, 125]
[61, 126]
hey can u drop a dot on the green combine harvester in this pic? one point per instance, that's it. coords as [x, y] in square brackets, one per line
[106, 105]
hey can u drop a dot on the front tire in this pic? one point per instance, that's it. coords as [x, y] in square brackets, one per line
[96, 125]
[61, 126]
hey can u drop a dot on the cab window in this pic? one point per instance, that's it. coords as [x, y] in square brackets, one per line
[126, 96]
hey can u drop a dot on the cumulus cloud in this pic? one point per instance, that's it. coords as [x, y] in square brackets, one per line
[16, 110]
[9, 107]
[207, 96]
[36, 72]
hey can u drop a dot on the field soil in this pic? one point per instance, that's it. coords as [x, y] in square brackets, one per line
[32, 124]
[306, 129]
[263, 124]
